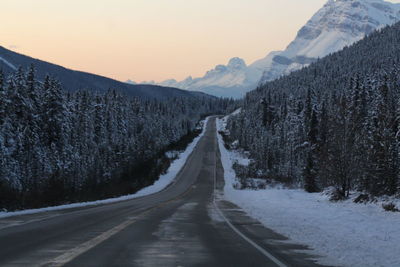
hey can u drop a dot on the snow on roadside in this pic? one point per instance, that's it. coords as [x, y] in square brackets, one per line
[224, 120]
[159, 185]
[344, 233]
[173, 170]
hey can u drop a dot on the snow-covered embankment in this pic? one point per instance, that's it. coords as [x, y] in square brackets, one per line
[344, 233]
[160, 184]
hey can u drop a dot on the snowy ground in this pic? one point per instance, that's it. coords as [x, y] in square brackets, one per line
[159, 185]
[344, 233]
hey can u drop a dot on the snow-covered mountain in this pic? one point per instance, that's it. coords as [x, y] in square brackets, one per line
[337, 24]
[223, 80]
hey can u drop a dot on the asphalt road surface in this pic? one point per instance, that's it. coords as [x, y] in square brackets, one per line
[187, 224]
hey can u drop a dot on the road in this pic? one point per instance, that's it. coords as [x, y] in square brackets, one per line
[187, 224]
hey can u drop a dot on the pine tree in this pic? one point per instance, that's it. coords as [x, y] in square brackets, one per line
[53, 114]
[2, 99]
[310, 171]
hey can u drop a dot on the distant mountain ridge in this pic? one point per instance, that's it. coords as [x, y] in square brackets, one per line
[337, 24]
[72, 80]
[223, 81]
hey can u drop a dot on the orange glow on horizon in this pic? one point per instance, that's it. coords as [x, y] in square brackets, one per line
[150, 39]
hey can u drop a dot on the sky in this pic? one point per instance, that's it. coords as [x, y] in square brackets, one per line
[145, 40]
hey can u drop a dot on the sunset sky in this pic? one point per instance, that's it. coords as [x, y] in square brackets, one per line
[150, 39]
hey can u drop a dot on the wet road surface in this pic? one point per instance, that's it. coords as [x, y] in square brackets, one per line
[187, 224]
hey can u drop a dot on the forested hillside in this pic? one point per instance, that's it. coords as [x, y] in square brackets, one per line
[72, 80]
[334, 123]
[58, 147]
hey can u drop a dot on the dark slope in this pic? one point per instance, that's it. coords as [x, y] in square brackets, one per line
[77, 80]
[335, 123]
[378, 54]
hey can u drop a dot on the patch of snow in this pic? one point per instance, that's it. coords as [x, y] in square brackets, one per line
[214, 215]
[173, 154]
[159, 185]
[344, 233]
[265, 62]
[131, 82]
[225, 119]
[227, 162]
[236, 112]
[8, 63]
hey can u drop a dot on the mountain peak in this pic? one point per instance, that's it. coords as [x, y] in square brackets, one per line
[236, 63]
[337, 24]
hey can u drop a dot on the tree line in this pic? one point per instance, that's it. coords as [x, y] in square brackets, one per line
[334, 123]
[58, 147]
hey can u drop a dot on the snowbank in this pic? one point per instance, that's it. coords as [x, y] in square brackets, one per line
[158, 185]
[344, 233]
[223, 121]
